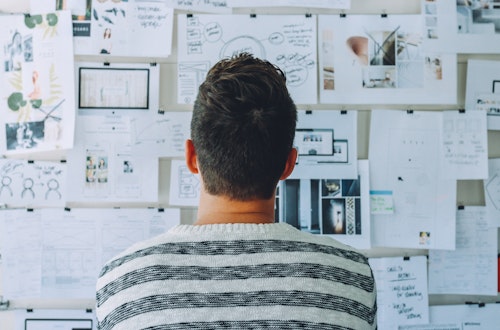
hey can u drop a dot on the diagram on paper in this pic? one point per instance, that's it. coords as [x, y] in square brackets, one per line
[40, 183]
[287, 41]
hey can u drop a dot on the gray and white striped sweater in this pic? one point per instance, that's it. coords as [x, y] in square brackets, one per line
[237, 276]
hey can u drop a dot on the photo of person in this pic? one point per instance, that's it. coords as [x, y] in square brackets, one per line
[106, 42]
[25, 135]
[90, 173]
[102, 169]
[14, 53]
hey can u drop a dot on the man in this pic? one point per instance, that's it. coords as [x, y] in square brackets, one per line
[235, 268]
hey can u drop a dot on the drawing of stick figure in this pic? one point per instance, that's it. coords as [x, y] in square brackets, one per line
[6, 181]
[28, 184]
[53, 186]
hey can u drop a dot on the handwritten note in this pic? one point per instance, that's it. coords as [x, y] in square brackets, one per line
[332, 4]
[402, 297]
[207, 6]
[465, 144]
[472, 267]
[381, 202]
[289, 41]
[153, 21]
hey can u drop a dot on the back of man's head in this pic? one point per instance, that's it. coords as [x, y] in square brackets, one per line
[243, 128]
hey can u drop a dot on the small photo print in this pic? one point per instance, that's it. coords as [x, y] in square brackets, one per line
[424, 238]
[330, 187]
[127, 167]
[90, 168]
[25, 135]
[102, 169]
[382, 46]
[334, 216]
[18, 50]
[379, 77]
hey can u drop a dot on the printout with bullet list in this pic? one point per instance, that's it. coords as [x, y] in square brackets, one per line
[402, 297]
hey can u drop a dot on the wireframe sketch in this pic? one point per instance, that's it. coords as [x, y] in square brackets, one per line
[288, 42]
[113, 88]
[326, 143]
[184, 185]
[188, 184]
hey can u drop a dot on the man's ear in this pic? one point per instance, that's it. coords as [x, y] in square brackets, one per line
[191, 160]
[290, 164]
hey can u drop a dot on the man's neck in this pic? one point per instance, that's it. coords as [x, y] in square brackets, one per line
[219, 210]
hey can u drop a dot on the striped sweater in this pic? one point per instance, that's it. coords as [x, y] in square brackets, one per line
[237, 276]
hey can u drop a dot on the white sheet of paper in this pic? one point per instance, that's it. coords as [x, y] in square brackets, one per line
[117, 88]
[128, 226]
[326, 141]
[103, 168]
[184, 185]
[333, 4]
[18, 7]
[489, 103]
[402, 297]
[161, 133]
[39, 111]
[483, 89]
[366, 59]
[448, 326]
[381, 202]
[439, 22]
[465, 145]
[288, 41]
[472, 267]
[205, 6]
[55, 319]
[476, 27]
[139, 28]
[468, 316]
[41, 6]
[492, 192]
[406, 159]
[56, 253]
[32, 184]
[21, 246]
[69, 260]
[336, 207]
[482, 78]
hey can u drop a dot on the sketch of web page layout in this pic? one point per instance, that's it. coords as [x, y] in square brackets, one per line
[46, 319]
[406, 160]
[288, 41]
[128, 88]
[326, 143]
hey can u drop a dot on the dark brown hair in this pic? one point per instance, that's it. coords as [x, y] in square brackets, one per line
[243, 127]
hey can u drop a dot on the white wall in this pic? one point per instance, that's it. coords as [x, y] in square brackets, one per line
[470, 192]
